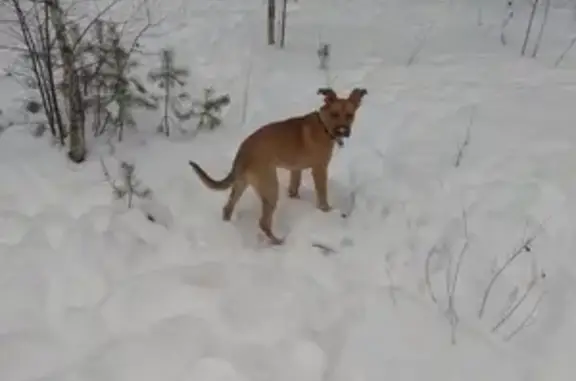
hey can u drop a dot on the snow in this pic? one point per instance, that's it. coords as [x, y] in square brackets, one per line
[91, 291]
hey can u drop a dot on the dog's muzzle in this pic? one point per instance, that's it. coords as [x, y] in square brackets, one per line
[342, 131]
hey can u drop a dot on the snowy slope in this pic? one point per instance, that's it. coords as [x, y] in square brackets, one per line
[90, 292]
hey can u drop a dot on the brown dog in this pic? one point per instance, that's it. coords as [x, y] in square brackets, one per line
[294, 144]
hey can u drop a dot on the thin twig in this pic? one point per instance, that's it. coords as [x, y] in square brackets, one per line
[431, 252]
[18, 49]
[565, 52]
[506, 317]
[420, 45]
[526, 322]
[92, 22]
[466, 142]
[391, 288]
[107, 176]
[326, 250]
[523, 248]
[451, 283]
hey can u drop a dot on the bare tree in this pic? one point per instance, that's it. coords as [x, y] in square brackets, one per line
[73, 94]
[283, 24]
[55, 47]
[271, 21]
[542, 27]
[35, 35]
[529, 27]
[506, 20]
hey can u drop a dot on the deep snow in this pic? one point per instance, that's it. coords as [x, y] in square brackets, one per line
[91, 292]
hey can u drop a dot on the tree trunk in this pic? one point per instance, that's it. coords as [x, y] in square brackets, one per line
[542, 27]
[73, 94]
[529, 28]
[37, 61]
[283, 24]
[51, 86]
[271, 21]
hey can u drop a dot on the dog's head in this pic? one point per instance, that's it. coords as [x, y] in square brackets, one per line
[338, 114]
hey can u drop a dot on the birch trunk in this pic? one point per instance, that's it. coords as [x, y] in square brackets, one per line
[73, 95]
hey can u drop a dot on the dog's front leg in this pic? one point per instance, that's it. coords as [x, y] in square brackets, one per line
[320, 176]
[294, 187]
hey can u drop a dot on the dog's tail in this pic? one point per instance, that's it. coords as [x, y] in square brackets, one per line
[223, 184]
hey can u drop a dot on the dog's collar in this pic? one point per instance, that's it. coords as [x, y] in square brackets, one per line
[332, 136]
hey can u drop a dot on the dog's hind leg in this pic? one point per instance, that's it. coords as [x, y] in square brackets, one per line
[267, 189]
[294, 187]
[238, 189]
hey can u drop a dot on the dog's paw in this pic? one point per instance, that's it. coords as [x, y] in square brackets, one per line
[226, 214]
[294, 194]
[325, 207]
[277, 241]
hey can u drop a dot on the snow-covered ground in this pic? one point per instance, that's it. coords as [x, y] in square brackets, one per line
[91, 292]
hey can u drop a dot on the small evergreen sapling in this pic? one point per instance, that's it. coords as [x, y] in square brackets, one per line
[97, 48]
[121, 90]
[324, 55]
[129, 185]
[166, 77]
[208, 110]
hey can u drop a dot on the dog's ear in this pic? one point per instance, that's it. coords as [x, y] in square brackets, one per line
[356, 95]
[328, 93]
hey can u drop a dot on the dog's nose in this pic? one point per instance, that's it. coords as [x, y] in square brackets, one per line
[343, 131]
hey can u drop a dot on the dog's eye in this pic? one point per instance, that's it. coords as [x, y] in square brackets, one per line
[349, 116]
[334, 115]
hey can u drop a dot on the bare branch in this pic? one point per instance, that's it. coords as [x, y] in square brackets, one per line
[466, 141]
[533, 282]
[16, 49]
[527, 320]
[326, 250]
[419, 45]
[431, 252]
[92, 22]
[389, 274]
[451, 312]
[107, 176]
[524, 247]
[565, 52]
